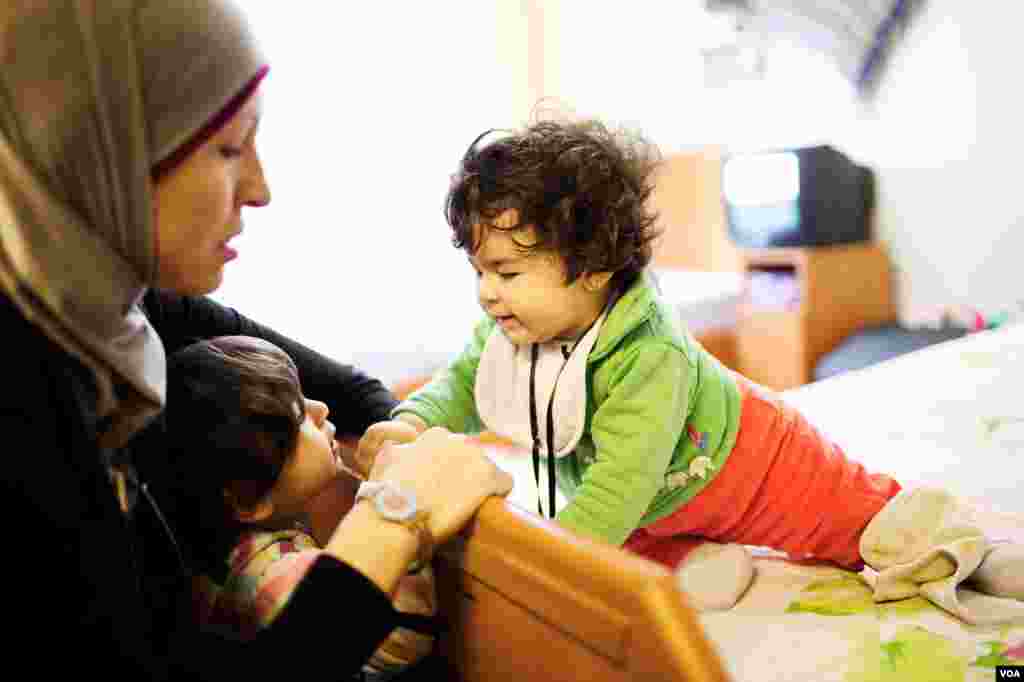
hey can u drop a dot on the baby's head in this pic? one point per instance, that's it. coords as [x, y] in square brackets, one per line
[244, 443]
[554, 219]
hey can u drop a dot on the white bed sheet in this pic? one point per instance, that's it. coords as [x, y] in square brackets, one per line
[949, 415]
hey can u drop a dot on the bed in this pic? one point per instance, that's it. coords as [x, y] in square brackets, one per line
[947, 415]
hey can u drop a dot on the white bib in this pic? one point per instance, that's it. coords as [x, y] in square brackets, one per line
[503, 389]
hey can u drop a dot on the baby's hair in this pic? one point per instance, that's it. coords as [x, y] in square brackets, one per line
[238, 399]
[234, 411]
[584, 188]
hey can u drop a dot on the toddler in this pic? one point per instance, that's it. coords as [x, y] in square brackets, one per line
[651, 439]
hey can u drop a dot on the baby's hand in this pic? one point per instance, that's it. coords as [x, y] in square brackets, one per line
[373, 440]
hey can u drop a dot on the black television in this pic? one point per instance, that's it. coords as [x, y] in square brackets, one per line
[803, 196]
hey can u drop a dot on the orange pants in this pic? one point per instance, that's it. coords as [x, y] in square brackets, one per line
[784, 486]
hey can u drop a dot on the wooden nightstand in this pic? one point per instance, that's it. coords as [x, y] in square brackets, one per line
[799, 303]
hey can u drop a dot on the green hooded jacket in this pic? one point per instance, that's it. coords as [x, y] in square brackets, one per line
[661, 418]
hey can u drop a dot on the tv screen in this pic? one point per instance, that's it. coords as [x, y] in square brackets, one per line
[808, 196]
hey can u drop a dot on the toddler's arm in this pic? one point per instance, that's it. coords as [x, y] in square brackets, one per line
[635, 430]
[448, 400]
[413, 421]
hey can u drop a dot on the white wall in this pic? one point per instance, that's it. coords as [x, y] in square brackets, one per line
[368, 108]
[943, 133]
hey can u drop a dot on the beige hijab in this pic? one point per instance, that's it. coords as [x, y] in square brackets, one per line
[93, 95]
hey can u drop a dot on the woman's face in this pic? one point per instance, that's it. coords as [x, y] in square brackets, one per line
[198, 205]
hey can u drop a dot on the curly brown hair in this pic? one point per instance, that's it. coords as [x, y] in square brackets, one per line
[583, 187]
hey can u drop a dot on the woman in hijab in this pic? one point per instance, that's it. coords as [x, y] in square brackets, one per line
[126, 155]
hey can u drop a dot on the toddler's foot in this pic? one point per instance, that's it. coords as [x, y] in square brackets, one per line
[715, 576]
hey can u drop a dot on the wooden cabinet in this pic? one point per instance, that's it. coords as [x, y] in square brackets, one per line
[800, 303]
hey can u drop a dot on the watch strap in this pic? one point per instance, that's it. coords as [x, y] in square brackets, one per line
[417, 522]
[425, 547]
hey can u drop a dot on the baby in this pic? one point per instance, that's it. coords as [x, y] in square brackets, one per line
[249, 455]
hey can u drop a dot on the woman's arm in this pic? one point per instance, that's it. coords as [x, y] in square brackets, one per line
[356, 400]
[330, 627]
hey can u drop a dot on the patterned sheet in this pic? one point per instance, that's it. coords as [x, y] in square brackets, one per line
[818, 623]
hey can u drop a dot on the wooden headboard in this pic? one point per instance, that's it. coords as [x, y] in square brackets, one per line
[528, 600]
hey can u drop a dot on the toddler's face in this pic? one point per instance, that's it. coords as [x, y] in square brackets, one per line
[315, 463]
[526, 292]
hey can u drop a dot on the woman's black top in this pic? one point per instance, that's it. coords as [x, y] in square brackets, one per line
[92, 590]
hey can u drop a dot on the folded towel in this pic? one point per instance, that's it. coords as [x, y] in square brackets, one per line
[1001, 574]
[927, 542]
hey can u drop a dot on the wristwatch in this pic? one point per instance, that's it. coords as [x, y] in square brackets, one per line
[399, 506]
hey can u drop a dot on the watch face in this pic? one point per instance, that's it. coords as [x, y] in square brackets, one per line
[394, 505]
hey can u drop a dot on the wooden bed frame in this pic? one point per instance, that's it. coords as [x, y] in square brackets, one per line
[528, 600]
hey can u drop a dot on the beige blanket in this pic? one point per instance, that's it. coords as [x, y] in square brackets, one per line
[927, 542]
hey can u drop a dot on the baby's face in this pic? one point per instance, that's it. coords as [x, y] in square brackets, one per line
[526, 292]
[315, 463]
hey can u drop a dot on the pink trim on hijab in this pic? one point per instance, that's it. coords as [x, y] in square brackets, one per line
[178, 156]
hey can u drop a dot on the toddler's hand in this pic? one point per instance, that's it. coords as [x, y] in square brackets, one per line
[373, 440]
